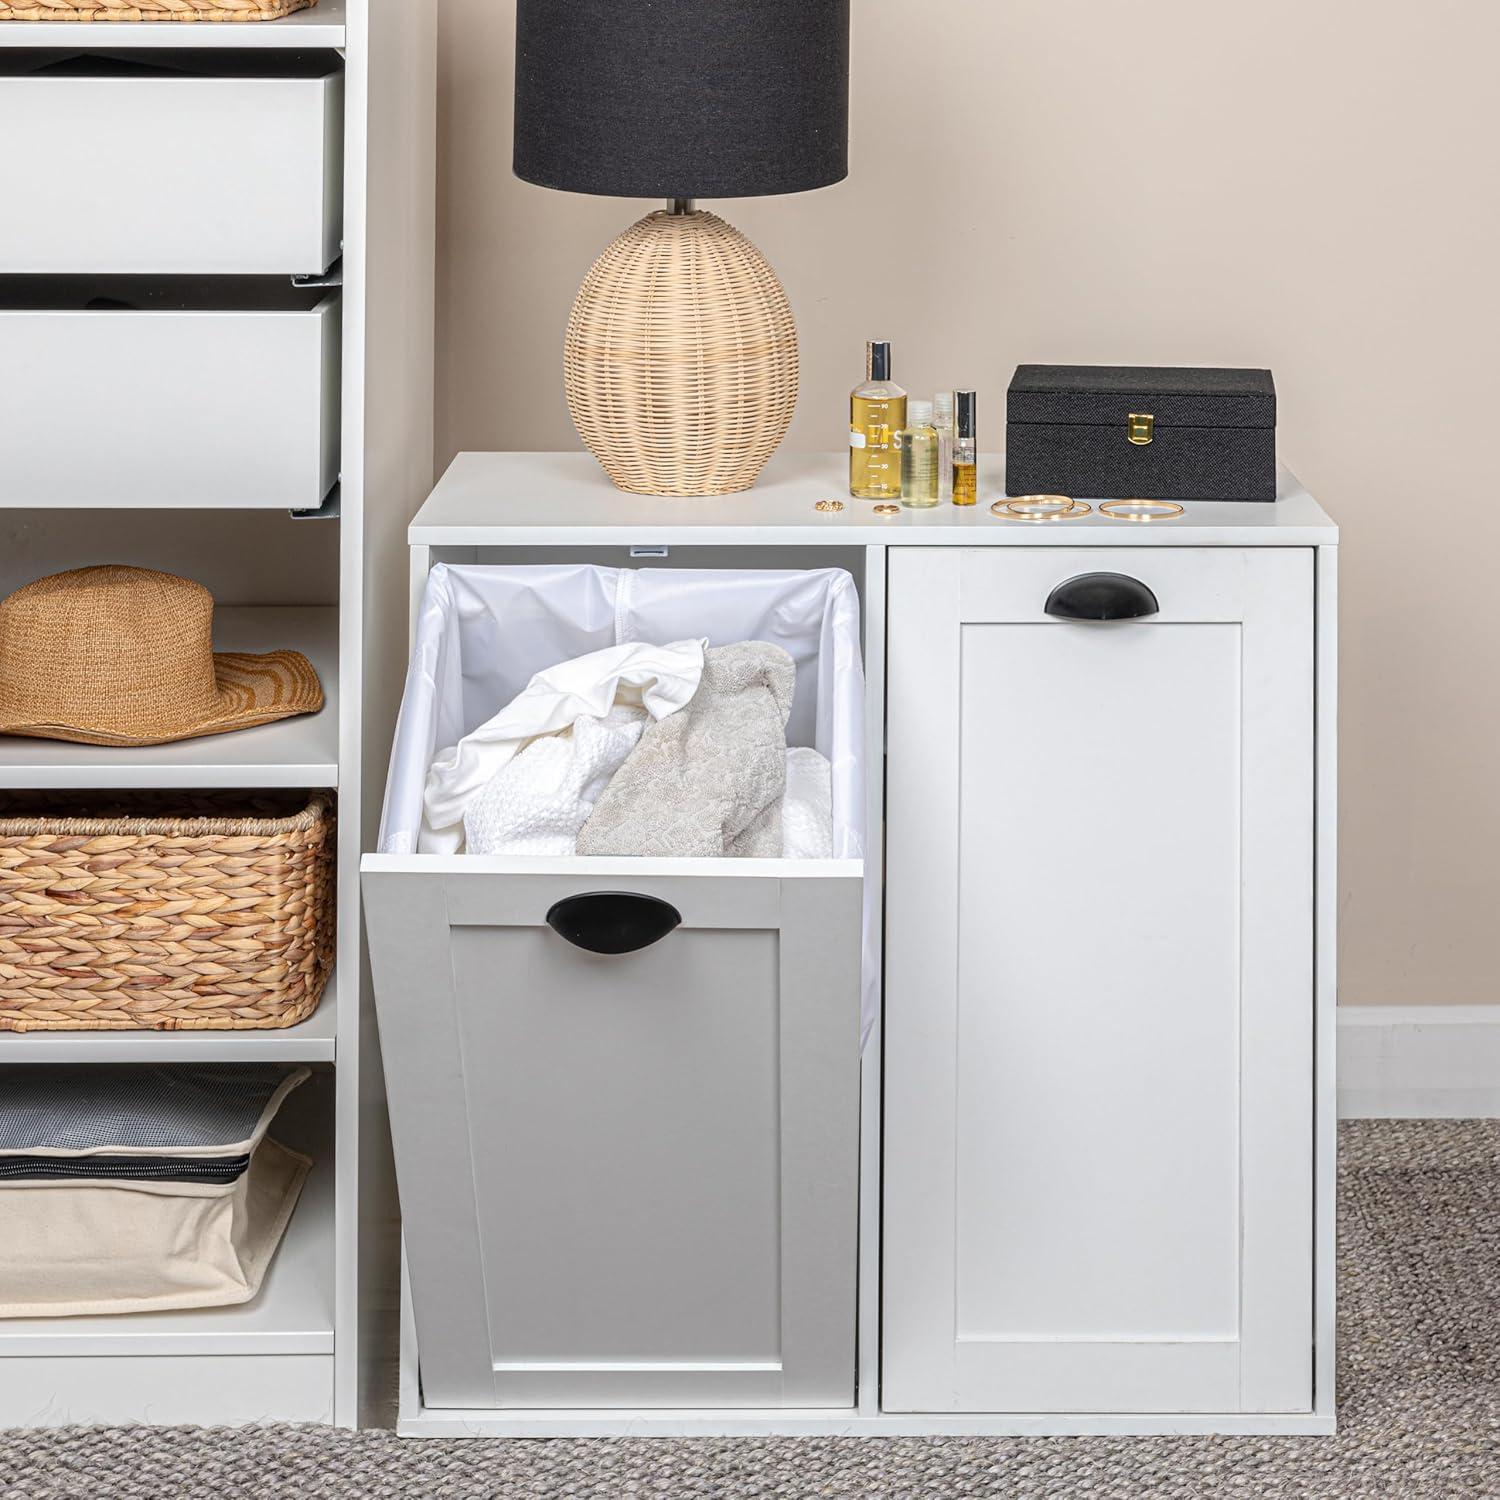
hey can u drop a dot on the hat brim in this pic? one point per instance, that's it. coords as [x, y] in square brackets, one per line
[252, 689]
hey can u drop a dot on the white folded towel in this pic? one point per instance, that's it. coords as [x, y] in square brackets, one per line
[807, 809]
[656, 679]
[537, 802]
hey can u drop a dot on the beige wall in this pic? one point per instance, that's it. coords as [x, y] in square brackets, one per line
[1307, 186]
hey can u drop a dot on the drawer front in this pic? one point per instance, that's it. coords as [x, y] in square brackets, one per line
[627, 1180]
[171, 175]
[1099, 1013]
[197, 409]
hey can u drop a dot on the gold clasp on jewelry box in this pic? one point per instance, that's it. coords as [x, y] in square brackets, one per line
[1139, 427]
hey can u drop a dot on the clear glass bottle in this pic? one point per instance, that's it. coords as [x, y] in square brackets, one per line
[942, 421]
[918, 442]
[965, 453]
[877, 412]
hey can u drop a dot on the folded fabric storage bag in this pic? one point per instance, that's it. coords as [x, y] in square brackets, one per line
[140, 1189]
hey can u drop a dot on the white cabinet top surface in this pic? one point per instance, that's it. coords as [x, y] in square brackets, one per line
[563, 499]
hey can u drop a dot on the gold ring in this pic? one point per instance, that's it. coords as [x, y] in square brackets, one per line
[1139, 510]
[887, 510]
[827, 505]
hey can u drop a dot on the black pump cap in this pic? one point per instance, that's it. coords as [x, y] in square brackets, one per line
[965, 421]
[878, 359]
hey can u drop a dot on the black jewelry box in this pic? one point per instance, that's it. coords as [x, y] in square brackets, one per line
[1155, 432]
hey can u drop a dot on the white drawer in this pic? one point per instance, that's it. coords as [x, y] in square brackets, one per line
[207, 396]
[164, 168]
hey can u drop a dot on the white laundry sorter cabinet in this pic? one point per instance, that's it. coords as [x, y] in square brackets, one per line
[1095, 1166]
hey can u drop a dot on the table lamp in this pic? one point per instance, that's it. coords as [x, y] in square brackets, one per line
[680, 359]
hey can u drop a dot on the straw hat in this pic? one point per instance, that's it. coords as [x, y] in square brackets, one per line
[124, 656]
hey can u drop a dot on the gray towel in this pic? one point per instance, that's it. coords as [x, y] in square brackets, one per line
[709, 779]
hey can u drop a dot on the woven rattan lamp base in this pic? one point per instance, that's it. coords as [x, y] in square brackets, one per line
[681, 358]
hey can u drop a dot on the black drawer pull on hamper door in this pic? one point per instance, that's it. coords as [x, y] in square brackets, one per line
[613, 921]
[1101, 596]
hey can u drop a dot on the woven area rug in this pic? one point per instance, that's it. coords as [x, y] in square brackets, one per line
[1419, 1254]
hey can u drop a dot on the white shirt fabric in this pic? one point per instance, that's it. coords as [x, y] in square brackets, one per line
[657, 679]
[538, 801]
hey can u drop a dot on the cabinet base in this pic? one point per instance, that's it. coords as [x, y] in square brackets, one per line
[425, 1422]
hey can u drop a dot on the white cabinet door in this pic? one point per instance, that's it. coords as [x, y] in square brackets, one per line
[628, 1179]
[1099, 1070]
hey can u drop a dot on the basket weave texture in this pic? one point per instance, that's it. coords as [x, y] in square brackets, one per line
[680, 360]
[216, 917]
[149, 10]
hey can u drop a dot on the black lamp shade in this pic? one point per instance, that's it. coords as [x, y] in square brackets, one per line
[682, 98]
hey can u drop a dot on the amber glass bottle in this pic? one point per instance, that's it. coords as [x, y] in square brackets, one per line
[965, 453]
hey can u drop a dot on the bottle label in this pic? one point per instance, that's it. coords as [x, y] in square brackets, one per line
[856, 438]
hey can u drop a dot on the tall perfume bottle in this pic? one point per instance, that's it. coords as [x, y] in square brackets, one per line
[877, 412]
[942, 420]
[918, 442]
[965, 453]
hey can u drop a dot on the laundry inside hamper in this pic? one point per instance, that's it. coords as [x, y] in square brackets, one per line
[140, 1189]
[483, 631]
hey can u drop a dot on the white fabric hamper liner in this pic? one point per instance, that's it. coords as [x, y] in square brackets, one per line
[484, 631]
[140, 1189]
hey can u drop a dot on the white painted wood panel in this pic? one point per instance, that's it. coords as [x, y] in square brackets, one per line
[186, 1390]
[1099, 1006]
[564, 499]
[626, 1180]
[252, 184]
[224, 396]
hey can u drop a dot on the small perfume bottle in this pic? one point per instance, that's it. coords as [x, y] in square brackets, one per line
[965, 453]
[942, 420]
[918, 443]
[877, 412]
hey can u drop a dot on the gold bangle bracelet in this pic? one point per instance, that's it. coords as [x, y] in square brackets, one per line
[1140, 510]
[1040, 508]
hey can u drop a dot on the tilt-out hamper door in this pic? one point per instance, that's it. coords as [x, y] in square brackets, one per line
[1099, 1034]
[629, 1178]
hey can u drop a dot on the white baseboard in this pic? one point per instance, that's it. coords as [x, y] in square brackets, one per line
[1419, 1062]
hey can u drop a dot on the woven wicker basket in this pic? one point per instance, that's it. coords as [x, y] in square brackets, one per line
[680, 360]
[117, 916]
[149, 10]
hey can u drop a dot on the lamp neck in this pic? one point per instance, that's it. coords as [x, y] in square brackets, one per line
[679, 206]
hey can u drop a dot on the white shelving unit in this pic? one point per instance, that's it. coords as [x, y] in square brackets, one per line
[321, 1334]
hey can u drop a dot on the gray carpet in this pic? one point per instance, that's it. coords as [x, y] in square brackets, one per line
[1419, 1416]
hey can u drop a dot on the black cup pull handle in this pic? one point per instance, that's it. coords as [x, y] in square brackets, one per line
[613, 921]
[1102, 596]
